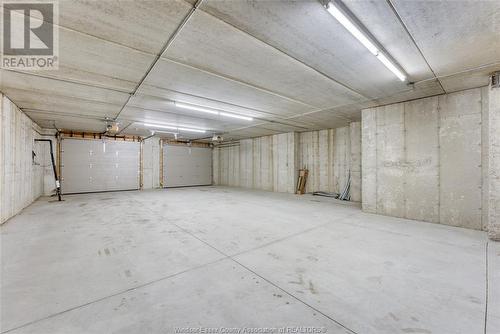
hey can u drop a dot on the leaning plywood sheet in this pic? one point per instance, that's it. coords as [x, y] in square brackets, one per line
[308, 158]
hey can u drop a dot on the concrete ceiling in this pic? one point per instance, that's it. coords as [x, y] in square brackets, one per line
[290, 65]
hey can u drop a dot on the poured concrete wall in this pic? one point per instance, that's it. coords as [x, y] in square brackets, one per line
[423, 159]
[267, 163]
[330, 155]
[22, 179]
[151, 163]
[285, 162]
[272, 162]
[226, 165]
[494, 164]
[355, 161]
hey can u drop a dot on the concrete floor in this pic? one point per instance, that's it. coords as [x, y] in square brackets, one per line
[147, 262]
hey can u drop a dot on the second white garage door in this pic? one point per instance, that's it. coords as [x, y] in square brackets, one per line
[186, 166]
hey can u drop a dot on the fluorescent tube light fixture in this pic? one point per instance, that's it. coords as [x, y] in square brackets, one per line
[196, 108]
[191, 130]
[343, 19]
[211, 111]
[246, 118]
[383, 59]
[170, 127]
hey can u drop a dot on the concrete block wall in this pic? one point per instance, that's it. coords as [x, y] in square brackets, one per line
[151, 163]
[22, 180]
[424, 159]
[267, 163]
[330, 155]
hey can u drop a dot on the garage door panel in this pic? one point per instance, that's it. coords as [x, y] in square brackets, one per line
[186, 166]
[99, 165]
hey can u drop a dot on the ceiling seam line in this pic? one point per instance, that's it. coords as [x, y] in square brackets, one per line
[266, 123]
[128, 125]
[322, 110]
[211, 99]
[85, 71]
[343, 117]
[203, 118]
[222, 76]
[263, 124]
[472, 69]
[97, 37]
[57, 113]
[400, 19]
[410, 100]
[374, 100]
[202, 97]
[131, 121]
[70, 97]
[329, 109]
[173, 113]
[144, 94]
[76, 82]
[161, 53]
[291, 57]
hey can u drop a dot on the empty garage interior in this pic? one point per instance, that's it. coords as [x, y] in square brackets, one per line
[230, 166]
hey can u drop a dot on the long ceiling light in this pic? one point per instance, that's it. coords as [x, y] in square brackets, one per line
[211, 111]
[171, 127]
[337, 13]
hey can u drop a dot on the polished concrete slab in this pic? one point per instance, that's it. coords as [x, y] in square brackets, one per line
[168, 260]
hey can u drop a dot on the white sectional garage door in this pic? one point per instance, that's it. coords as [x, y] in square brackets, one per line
[99, 165]
[186, 166]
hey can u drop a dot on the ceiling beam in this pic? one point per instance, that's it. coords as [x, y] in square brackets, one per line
[282, 121]
[346, 86]
[405, 28]
[225, 77]
[71, 81]
[206, 98]
[162, 52]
